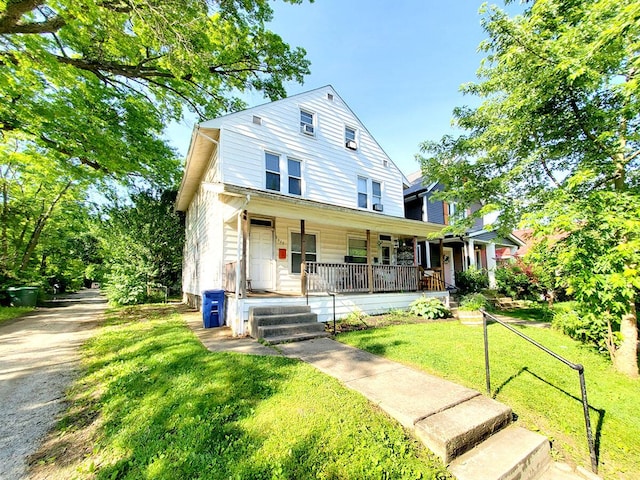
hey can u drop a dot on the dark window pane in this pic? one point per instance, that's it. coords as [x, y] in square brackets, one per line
[295, 186]
[273, 181]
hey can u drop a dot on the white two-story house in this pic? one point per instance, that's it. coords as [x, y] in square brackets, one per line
[292, 201]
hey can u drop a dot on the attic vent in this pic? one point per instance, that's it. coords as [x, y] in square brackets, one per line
[385, 163]
[330, 97]
[257, 120]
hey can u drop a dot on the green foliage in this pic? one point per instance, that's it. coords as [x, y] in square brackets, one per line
[93, 84]
[473, 301]
[542, 391]
[518, 281]
[355, 317]
[9, 313]
[472, 280]
[556, 139]
[571, 320]
[429, 307]
[234, 416]
[142, 246]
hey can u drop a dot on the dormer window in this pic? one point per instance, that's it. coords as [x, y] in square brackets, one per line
[307, 123]
[350, 138]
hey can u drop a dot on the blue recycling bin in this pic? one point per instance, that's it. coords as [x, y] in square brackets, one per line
[213, 308]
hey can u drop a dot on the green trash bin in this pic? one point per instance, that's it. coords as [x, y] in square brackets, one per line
[23, 296]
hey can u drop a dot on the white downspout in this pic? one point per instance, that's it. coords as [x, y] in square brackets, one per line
[237, 324]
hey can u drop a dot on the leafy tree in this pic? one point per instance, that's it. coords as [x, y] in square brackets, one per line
[556, 138]
[142, 246]
[87, 89]
[38, 197]
[92, 84]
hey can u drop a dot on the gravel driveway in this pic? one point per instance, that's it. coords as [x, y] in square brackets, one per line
[38, 359]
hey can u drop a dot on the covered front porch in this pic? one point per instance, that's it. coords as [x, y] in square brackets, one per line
[291, 250]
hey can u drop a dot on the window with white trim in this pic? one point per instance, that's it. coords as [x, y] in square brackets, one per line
[350, 138]
[272, 164]
[376, 193]
[307, 122]
[296, 250]
[357, 250]
[363, 192]
[294, 172]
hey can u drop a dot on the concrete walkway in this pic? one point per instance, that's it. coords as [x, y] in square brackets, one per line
[39, 353]
[447, 417]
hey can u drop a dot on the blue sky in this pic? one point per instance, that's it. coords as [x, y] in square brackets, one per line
[398, 65]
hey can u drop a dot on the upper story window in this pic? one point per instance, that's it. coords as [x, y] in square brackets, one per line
[272, 162]
[363, 192]
[376, 193]
[294, 171]
[350, 138]
[307, 123]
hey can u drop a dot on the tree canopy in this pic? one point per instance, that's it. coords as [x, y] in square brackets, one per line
[556, 141]
[87, 88]
[95, 83]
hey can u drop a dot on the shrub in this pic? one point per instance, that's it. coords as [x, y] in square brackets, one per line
[473, 301]
[517, 280]
[430, 308]
[472, 280]
[572, 320]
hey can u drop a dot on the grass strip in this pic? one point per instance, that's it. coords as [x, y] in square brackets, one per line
[9, 313]
[544, 394]
[154, 404]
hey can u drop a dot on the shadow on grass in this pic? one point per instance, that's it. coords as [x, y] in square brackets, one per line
[600, 412]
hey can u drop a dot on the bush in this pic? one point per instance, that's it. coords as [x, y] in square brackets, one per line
[472, 280]
[430, 308]
[583, 326]
[473, 301]
[517, 280]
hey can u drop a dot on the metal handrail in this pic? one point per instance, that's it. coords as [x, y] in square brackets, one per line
[575, 366]
[332, 294]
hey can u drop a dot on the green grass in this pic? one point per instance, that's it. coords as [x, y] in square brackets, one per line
[163, 407]
[544, 394]
[9, 313]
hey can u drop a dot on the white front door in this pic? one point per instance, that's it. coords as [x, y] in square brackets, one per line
[261, 261]
[448, 267]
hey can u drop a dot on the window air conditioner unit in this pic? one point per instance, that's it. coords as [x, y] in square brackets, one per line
[306, 128]
[377, 207]
[351, 145]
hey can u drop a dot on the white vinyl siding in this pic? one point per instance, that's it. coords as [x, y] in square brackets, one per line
[325, 159]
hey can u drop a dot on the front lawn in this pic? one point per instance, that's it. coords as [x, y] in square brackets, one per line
[153, 403]
[544, 394]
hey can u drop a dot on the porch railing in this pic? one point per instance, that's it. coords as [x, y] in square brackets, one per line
[354, 278]
[230, 277]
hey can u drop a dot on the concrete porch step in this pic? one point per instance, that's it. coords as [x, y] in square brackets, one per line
[285, 318]
[268, 331]
[454, 431]
[511, 454]
[562, 471]
[297, 337]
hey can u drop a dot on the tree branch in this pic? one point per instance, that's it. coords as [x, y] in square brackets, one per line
[48, 26]
[14, 11]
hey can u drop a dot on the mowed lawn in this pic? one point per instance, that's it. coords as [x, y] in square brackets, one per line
[544, 394]
[152, 403]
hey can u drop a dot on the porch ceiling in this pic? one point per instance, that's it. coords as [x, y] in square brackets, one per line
[274, 205]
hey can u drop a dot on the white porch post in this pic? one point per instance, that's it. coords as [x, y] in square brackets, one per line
[427, 253]
[470, 253]
[491, 264]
